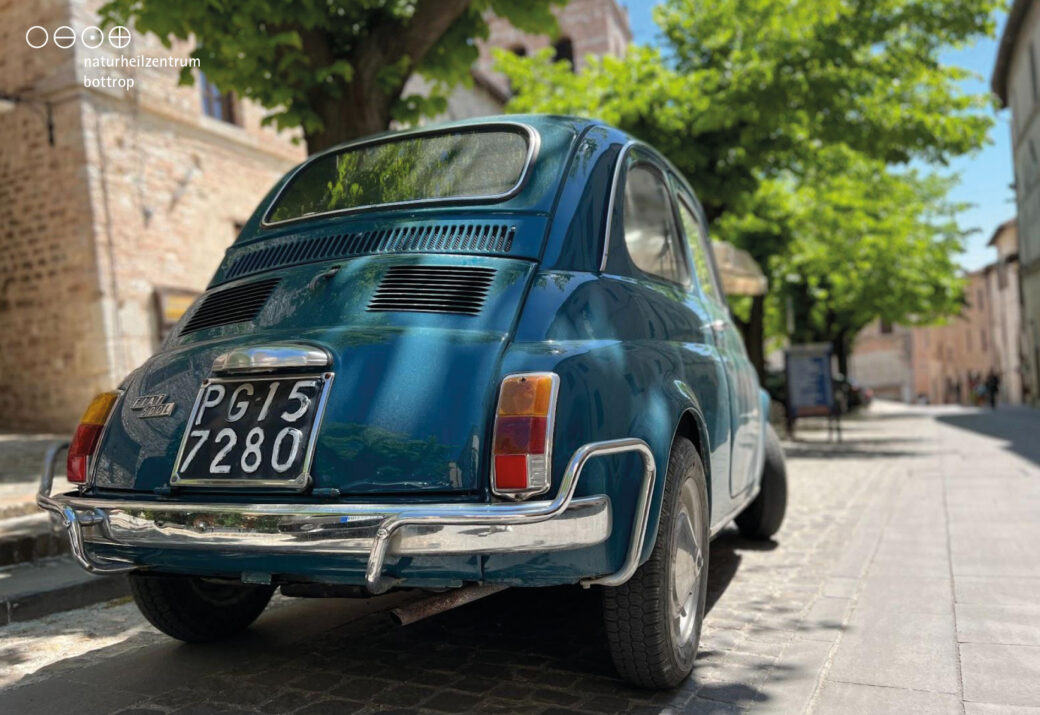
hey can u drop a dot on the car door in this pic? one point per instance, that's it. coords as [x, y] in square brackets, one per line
[656, 261]
[740, 373]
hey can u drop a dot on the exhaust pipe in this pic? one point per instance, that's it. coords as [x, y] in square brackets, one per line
[412, 612]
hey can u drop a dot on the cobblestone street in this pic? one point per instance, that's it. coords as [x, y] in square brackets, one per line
[905, 579]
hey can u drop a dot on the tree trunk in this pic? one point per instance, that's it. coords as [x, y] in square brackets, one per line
[755, 336]
[362, 106]
[841, 350]
[358, 114]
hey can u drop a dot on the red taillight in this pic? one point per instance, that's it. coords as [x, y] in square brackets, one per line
[523, 435]
[85, 441]
[510, 471]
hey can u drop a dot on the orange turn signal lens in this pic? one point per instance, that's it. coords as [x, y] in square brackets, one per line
[526, 395]
[99, 408]
[88, 434]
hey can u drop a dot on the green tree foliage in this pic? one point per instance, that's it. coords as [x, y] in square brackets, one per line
[868, 243]
[336, 68]
[774, 108]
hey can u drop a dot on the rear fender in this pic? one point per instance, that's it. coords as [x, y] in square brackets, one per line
[609, 390]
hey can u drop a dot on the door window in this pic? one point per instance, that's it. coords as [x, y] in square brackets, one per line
[699, 247]
[650, 234]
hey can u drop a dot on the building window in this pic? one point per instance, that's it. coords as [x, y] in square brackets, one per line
[982, 339]
[886, 327]
[563, 49]
[217, 104]
[519, 51]
[979, 305]
[170, 305]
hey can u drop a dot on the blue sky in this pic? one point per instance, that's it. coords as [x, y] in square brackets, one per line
[985, 177]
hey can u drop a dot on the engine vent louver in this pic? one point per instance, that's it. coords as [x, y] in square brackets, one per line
[439, 238]
[433, 289]
[230, 305]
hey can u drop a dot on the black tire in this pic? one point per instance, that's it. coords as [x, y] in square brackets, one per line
[762, 517]
[194, 610]
[651, 646]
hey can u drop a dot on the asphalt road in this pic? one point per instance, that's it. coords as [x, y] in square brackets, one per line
[904, 580]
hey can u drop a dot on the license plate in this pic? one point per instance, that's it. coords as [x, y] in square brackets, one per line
[252, 432]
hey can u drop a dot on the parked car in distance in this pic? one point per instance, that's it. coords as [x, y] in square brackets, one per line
[481, 354]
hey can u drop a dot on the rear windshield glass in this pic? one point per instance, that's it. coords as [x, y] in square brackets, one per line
[462, 164]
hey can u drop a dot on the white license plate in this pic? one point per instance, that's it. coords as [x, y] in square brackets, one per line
[252, 432]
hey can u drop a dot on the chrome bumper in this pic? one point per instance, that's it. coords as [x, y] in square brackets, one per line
[375, 530]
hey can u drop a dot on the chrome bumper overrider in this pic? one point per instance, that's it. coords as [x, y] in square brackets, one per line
[375, 530]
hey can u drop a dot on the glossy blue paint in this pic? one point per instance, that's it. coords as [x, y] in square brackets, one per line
[410, 412]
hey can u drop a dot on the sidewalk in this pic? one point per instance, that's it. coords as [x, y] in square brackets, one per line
[933, 598]
[21, 462]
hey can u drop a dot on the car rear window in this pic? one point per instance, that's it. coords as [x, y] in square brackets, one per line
[484, 163]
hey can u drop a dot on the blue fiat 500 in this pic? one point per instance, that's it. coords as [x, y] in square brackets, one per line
[476, 355]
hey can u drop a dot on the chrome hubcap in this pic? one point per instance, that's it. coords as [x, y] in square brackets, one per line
[687, 565]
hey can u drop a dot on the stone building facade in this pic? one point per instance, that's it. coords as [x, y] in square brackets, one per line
[586, 27]
[1016, 82]
[141, 192]
[946, 364]
[105, 235]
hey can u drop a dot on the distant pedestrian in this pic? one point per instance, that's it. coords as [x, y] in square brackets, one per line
[992, 388]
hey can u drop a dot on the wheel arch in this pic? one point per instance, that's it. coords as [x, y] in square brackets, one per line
[691, 426]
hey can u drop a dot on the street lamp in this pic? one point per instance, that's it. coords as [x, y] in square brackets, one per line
[8, 102]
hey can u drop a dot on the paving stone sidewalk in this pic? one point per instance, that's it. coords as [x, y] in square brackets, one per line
[21, 461]
[905, 579]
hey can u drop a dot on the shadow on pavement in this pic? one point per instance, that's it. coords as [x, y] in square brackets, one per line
[522, 649]
[1018, 427]
[851, 449]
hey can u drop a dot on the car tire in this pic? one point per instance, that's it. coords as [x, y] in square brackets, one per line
[762, 517]
[195, 610]
[653, 621]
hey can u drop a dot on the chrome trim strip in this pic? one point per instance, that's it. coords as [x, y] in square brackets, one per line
[550, 424]
[429, 528]
[268, 358]
[618, 168]
[301, 482]
[722, 523]
[534, 141]
[587, 522]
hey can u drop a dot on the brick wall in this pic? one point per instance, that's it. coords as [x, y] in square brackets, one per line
[48, 283]
[141, 191]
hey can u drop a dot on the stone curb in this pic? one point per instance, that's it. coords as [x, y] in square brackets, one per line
[52, 586]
